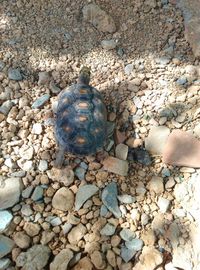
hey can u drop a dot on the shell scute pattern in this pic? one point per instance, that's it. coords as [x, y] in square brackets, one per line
[81, 120]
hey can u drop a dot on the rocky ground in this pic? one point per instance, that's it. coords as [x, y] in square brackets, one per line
[125, 210]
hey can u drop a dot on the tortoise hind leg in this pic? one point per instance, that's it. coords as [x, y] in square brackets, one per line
[60, 156]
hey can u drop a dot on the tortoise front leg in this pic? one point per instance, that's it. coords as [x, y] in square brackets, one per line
[60, 156]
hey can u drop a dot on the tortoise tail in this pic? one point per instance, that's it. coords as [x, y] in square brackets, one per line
[84, 76]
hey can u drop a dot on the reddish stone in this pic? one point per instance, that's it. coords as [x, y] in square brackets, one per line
[116, 165]
[182, 149]
[119, 137]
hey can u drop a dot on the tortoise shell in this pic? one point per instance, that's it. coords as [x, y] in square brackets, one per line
[80, 125]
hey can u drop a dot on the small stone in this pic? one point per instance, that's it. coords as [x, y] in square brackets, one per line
[47, 236]
[26, 152]
[121, 151]
[128, 69]
[76, 234]
[66, 228]
[32, 229]
[6, 107]
[99, 18]
[134, 142]
[65, 175]
[37, 194]
[127, 254]
[127, 234]
[35, 258]
[158, 223]
[27, 192]
[56, 221]
[108, 229]
[62, 260]
[120, 137]
[84, 264]
[163, 60]
[54, 88]
[181, 81]
[43, 165]
[26, 210]
[156, 185]
[2, 65]
[109, 199]
[15, 74]
[97, 260]
[40, 101]
[140, 155]
[182, 149]
[144, 219]
[104, 211]
[163, 204]
[5, 263]
[44, 78]
[83, 194]
[115, 240]
[80, 173]
[63, 199]
[6, 245]
[5, 220]
[165, 172]
[108, 44]
[156, 140]
[116, 165]
[111, 258]
[10, 192]
[22, 240]
[135, 244]
[197, 130]
[25, 165]
[126, 199]
[37, 128]
[148, 237]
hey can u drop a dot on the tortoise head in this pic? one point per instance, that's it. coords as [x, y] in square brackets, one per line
[84, 75]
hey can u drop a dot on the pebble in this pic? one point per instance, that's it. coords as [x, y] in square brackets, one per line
[84, 263]
[22, 240]
[99, 18]
[6, 107]
[140, 155]
[5, 218]
[6, 245]
[56, 221]
[127, 234]
[2, 65]
[66, 227]
[127, 254]
[127, 199]
[83, 194]
[27, 192]
[40, 101]
[144, 219]
[181, 81]
[121, 151]
[10, 192]
[108, 229]
[109, 199]
[76, 233]
[5, 263]
[135, 244]
[156, 184]
[128, 69]
[25, 165]
[43, 165]
[37, 128]
[64, 175]
[44, 78]
[54, 88]
[15, 74]
[63, 199]
[163, 60]
[26, 152]
[26, 210]
[97, 260]
[37, 194]
[47, 236]
[80, 173]
[62, 260]
[108, 44]
[165, 172]
[116, 165]
[37, 255]
[103, 211]
[163, 204]
[32, 229]
[111, 258]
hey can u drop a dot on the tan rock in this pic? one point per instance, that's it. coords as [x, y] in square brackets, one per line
[63, 199]
[148, 237]
[98, 260]
[61, 260]
[84, 264]
[76, 233]
[182, 149]
[32, 229]
[111, 258]
[116, 165]
[156, 184]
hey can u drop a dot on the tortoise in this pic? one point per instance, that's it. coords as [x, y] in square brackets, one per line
[81, 125]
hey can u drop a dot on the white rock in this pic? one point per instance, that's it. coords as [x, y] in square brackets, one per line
[25, 165]
[26, 152]
[163, 204]
[37, 128]
[62, 260]
[43, 165]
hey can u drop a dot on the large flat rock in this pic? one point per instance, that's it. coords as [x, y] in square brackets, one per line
[182, 149]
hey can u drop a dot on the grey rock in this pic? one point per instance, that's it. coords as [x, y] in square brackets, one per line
[103, 211]
[163, 204]
[80, 173]
[163, 60]
[125, 198]
[37, 194]
[35, 258]
[5, 220]
[40, 101]
[10, 192]
[121, 151]
[22, 240]
[108, 229]
[6, 245]
[26, 210]
[15, 74]
[44, 78]
[4, 263]
[135, 244]
[182, 80]
[47, 236]
[156, 184]
[6, 107]
[128, 69]
[27, 192]
[127, 254]
[54, 88]
[2, 65]
[165, 172]
[108, 44]
[83, 194]
[109, 199]
[126, 234]
[66, 228]
[43, 165]
[62, 260]
[56, 221]
[63, 199]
